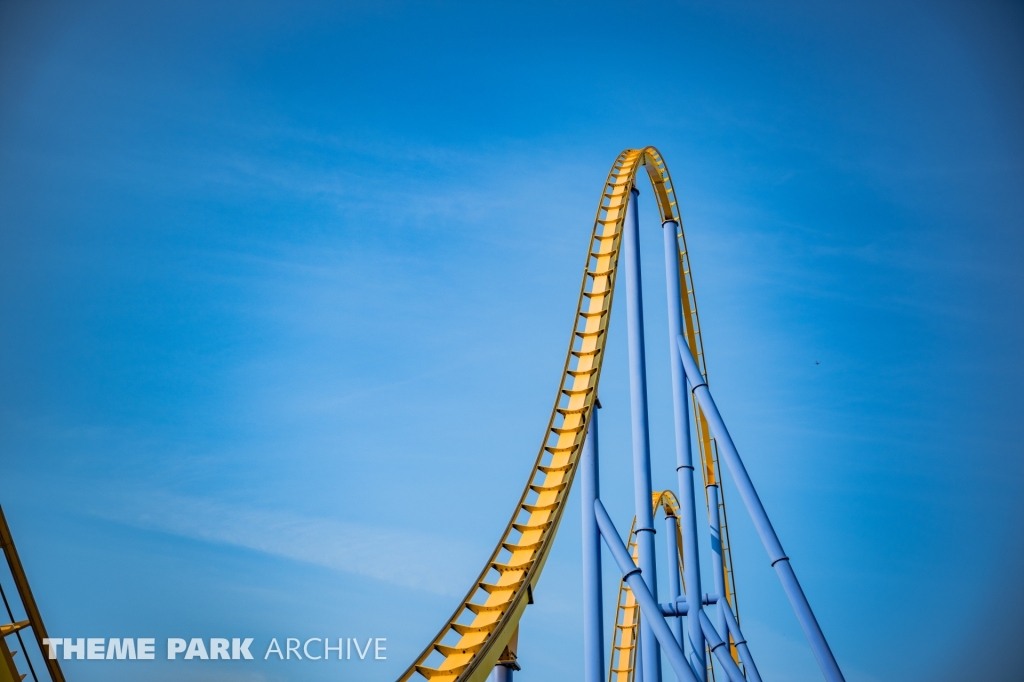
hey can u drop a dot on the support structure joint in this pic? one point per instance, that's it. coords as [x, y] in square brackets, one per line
[626, 575]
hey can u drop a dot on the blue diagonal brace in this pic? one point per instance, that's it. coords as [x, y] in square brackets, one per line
[649, 607]
[780, 562]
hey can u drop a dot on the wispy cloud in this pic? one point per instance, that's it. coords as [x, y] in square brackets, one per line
[415, 560]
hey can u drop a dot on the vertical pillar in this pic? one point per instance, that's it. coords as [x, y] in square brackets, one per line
[684, 454]
[641, 438]
[717, 563]
[507, 663]
[593, 623]
[674, 582]
[741, 644]
[638, 658]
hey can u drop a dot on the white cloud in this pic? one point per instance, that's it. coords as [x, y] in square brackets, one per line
[413, 560]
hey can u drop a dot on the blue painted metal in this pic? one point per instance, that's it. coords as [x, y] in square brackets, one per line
[641, 437]
[593, 612]
[674, 581]
[684, 452]
[755, 508]
[716, 555]
[649, 610]
[638, 659]
[719, 648]
[681, 607]
[501, 673]
[741, 643]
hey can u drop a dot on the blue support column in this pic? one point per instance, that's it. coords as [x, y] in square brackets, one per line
[684, 454]
[593, 616]
[719, 649]
[741, 642]
[638, 659]
[674, 582]
[717, 562]
[501, 673]
[641, 438]
[776, 555]
[650, 611]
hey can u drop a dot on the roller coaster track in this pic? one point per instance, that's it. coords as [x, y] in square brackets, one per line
[486, 621]
[622, 666]
[33, 622]
[626, 626]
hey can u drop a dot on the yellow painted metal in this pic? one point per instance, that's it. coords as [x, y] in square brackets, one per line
[11, 628]
[472, 639]
[622, 661]
[8, 668]
[28, 601]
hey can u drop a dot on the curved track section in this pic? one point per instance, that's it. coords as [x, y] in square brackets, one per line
[485, 621]
[622, 663]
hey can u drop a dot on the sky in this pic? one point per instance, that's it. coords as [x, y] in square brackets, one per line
[286, 290]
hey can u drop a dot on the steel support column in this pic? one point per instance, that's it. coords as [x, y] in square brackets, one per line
[650, 612]
[684, 453]
[638, 658]
[641, 438]
[759, 516]
[717, 563]
[501, 673]
[674, 581]
[593, 619]
[719, 648]
[741, 643]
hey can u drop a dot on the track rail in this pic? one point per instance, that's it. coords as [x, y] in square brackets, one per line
[34, 620]
[622, 663]
[475, 636]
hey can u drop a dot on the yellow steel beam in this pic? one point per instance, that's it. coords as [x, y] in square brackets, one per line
[27, 600]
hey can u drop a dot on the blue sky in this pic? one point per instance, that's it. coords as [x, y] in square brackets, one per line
[285, 289]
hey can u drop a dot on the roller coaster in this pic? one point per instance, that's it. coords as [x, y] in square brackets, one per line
[480, 639]
[31, 624]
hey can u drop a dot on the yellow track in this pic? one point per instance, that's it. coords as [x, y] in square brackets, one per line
[622, 666]
[627, 611]
[34, 621]
[472, 640]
